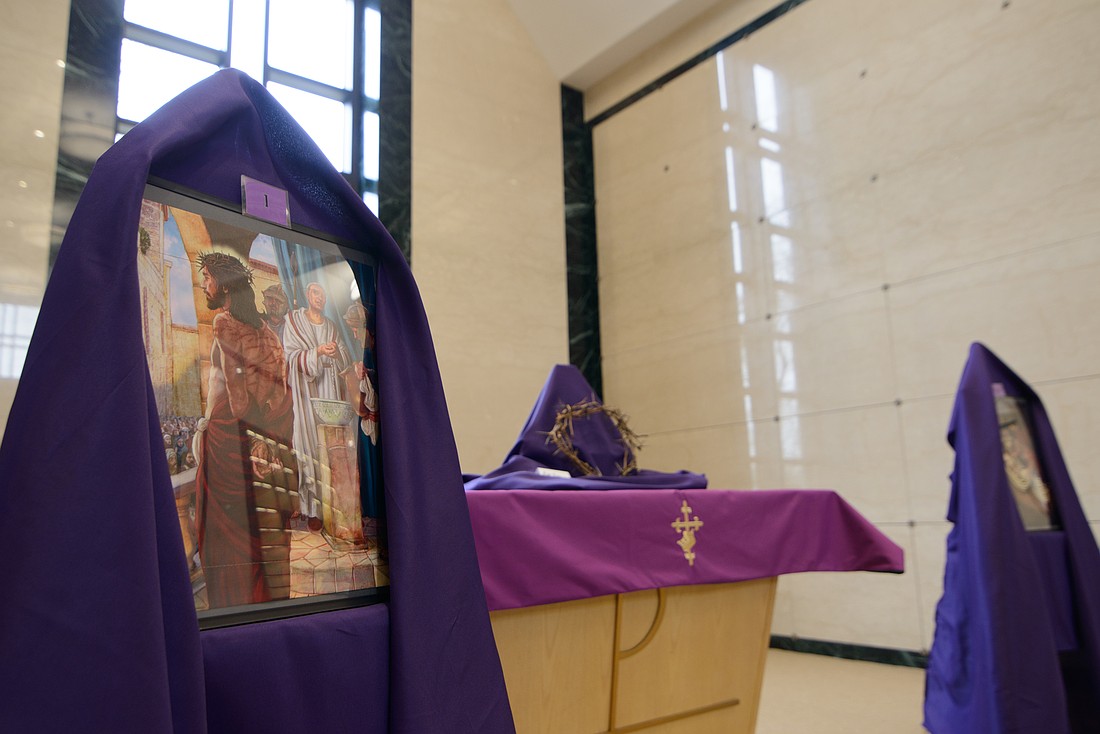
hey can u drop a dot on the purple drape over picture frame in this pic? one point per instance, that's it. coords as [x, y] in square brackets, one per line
[1017, 639]
[97, 622]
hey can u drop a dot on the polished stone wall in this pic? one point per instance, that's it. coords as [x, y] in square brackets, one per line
[800, 237]
[488, 216]
[32, 60]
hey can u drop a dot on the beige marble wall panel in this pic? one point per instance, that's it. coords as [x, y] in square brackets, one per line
[33, 40]
[858, 453]
[682, 291]
[833, 355]
[675, 115]
[825, 95]
[736, 456]
[692, 177]
[928, 561]
[929, 460]
[1036, 310]
[862, 608]
[950, 211]
[784, 621]
[1025, 62]
[704, 31]
[705, 380]
[1074, 411]
[933, 183]
[825, 248]
[488, 216]
[970, 89]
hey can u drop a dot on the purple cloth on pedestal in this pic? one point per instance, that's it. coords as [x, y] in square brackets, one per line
[542, 547]
[595, 439]
[97, 623]
[284, 676]
[994, 664]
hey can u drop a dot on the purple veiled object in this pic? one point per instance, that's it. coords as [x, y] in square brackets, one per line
[1013, 601]
[596, 440]
[97, 624]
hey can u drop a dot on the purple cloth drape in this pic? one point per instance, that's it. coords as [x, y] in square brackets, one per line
[1012, 599]
[310, 654]
[97, 623]
[596, 440]
[540, 547]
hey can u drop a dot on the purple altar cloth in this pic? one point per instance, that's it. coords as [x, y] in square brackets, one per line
[595, 439]
[270, 678]
[541, 547]
[97, 623]
[1012, 600]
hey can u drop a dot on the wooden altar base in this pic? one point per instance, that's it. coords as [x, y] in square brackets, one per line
[667, 661]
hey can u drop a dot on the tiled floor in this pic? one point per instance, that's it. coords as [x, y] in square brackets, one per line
[815, 694]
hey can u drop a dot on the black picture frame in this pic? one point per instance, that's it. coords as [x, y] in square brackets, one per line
[306, 550]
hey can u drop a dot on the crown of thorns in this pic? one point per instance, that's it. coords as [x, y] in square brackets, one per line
[225, 268]
[561, 435]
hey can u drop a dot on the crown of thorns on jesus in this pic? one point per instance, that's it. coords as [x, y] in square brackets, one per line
[561, 435]
[226, 269]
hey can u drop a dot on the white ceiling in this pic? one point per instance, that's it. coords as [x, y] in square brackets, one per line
[584, 40]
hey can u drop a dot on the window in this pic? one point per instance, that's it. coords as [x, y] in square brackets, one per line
[320, 60]
[16, 327]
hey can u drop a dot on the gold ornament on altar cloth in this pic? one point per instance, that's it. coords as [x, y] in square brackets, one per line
[686, 526]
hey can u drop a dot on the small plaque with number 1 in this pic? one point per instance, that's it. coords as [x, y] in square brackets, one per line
[264, 201]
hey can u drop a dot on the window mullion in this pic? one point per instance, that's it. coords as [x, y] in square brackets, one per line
[180, 46]
[358, 93]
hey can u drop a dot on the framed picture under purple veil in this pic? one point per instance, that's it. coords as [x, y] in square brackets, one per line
[1023, 467]
[260, 344]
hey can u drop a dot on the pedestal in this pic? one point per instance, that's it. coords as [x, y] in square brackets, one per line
[681, 659]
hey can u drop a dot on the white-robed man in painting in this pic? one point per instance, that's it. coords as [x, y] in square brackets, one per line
[315, 358]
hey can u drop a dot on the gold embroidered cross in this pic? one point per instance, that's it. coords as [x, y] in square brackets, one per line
[687, 527]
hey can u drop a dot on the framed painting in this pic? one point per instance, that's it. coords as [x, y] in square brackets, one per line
[1023, 468]
[260, 345]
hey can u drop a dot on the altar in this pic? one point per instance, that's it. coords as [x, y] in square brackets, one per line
[607, 620]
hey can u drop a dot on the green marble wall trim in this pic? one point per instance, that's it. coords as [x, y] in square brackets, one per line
[582, 271]
[395, 123]
[866, 653]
